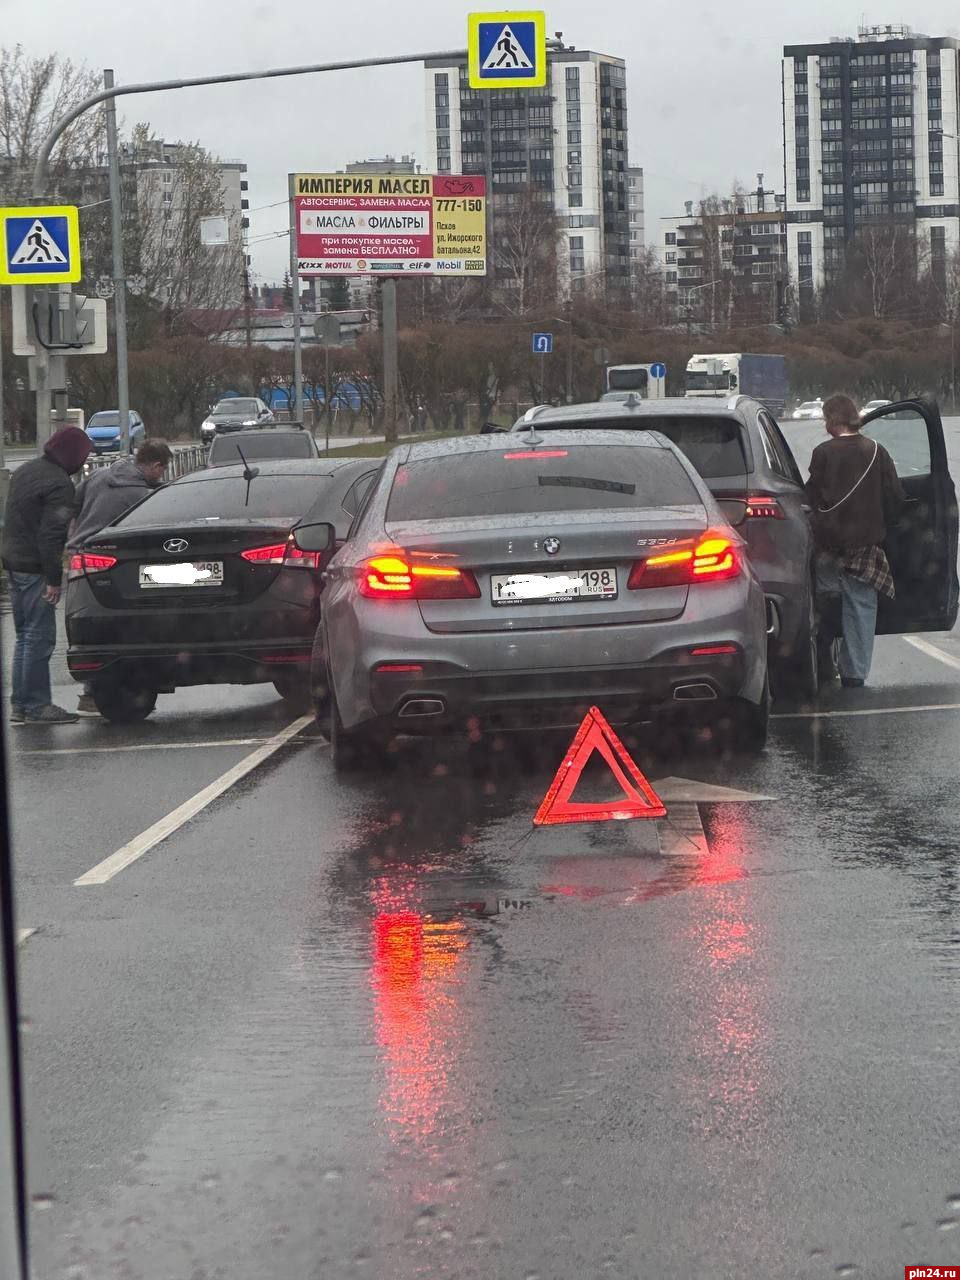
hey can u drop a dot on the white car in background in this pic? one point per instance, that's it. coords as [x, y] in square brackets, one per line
[811, 409]
[873, 404]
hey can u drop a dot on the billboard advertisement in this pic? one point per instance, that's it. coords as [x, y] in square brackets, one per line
[391, 224]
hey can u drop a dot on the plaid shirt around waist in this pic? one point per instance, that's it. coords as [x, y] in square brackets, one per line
[869, 565]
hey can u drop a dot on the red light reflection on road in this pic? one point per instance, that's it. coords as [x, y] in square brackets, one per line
[729, 975]
[413, 977]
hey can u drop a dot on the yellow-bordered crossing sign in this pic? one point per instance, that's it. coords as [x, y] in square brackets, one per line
[40, 244]
[507, 50]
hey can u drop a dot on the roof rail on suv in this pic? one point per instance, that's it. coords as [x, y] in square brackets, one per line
[533, 411]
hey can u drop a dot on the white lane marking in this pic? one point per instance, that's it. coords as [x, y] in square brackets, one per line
[932, 651]
[143, 746]
[864, 711]
[683, 790]
[144, 842]
[681, 831]
[23, 935]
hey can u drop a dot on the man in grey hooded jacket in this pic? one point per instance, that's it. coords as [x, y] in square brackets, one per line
[105, 495]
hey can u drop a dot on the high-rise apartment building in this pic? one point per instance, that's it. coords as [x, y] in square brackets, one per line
[635, 209]
[726, 258]
[871, 131]
[562, 148]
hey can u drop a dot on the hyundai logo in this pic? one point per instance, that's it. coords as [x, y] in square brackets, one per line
[176, 546]
[551, 546]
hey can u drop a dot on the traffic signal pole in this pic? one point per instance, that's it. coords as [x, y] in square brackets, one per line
[119, 274]
[47, 376]
[109, 94]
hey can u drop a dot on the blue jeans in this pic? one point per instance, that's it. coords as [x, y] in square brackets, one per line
[35, 620]
[859, 616]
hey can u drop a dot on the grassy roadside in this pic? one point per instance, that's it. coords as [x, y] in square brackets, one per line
[377, 450]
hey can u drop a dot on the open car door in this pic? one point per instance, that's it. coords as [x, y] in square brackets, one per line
[922, 545]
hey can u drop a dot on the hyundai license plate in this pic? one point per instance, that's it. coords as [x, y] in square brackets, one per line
[553, 588]
[196, 573]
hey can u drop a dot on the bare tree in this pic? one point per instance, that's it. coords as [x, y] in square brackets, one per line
[524, 254]
[34, 93]
[171, 200]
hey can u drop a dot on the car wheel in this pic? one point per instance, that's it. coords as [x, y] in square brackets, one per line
[354, 749]
[294, 688]
[740, 727]
[123, 703]
[800, 673]
[320, 685]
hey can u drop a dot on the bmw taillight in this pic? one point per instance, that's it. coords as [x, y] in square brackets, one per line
[393, 578]
[85, 562]
[712, 558]
[287, 554]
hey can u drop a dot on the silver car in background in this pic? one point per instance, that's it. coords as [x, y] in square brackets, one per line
[507, 583]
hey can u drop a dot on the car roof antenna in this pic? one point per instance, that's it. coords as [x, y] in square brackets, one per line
[249, 474]
[531, 437]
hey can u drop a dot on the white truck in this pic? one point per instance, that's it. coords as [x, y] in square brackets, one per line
[636, 379]
[719, 376]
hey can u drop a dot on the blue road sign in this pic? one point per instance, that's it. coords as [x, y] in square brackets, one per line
[39, 245]
[542, 344]
[507, 49]
[658, 371]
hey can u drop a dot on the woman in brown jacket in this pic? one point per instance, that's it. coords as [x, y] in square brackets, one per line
[855, 493]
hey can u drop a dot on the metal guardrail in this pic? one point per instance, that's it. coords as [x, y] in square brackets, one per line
[186, 458]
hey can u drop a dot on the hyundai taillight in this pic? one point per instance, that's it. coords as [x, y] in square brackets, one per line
[393, 578]
[287, 554]
[712, 558]
[82, 562]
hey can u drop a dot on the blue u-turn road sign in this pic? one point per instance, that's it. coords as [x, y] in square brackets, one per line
[542, 344]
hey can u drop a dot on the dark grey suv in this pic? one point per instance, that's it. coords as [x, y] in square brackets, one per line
[741, 453]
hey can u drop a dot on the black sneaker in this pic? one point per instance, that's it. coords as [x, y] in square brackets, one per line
[16, 715]
[50, 715]
[850, 682]
[86, 705]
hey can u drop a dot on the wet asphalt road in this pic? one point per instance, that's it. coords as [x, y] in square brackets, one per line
[380, 1028]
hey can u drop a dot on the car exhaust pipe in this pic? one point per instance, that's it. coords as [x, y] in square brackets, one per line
[698, 692]
[422, 707]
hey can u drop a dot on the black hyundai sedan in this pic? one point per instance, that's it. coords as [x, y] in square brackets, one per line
[201, 583]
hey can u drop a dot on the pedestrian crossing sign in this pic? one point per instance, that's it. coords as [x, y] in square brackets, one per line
[40, 245]
[507, 50]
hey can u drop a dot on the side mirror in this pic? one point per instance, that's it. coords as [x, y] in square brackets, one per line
[315, 537]
[733, 381]
[735, 510]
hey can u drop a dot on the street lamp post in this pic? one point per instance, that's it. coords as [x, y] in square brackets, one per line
[111, 92]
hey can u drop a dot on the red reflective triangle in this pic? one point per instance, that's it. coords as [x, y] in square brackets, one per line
[595, 734]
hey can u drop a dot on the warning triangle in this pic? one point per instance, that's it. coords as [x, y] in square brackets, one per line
[507, 54]
[595, 734]
[38, 245]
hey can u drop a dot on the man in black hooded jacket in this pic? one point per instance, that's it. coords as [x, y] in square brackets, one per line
[40, 505]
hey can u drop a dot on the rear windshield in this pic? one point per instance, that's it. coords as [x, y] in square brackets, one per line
[286, 497]
[713, 445]
[237, 406]
[105, 419]
[522, 480]
[226, 450]
[627, 379]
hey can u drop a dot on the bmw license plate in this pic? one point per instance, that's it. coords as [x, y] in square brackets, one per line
[553, 588]
[196, 573]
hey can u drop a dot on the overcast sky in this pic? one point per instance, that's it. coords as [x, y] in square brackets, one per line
[703, 88]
